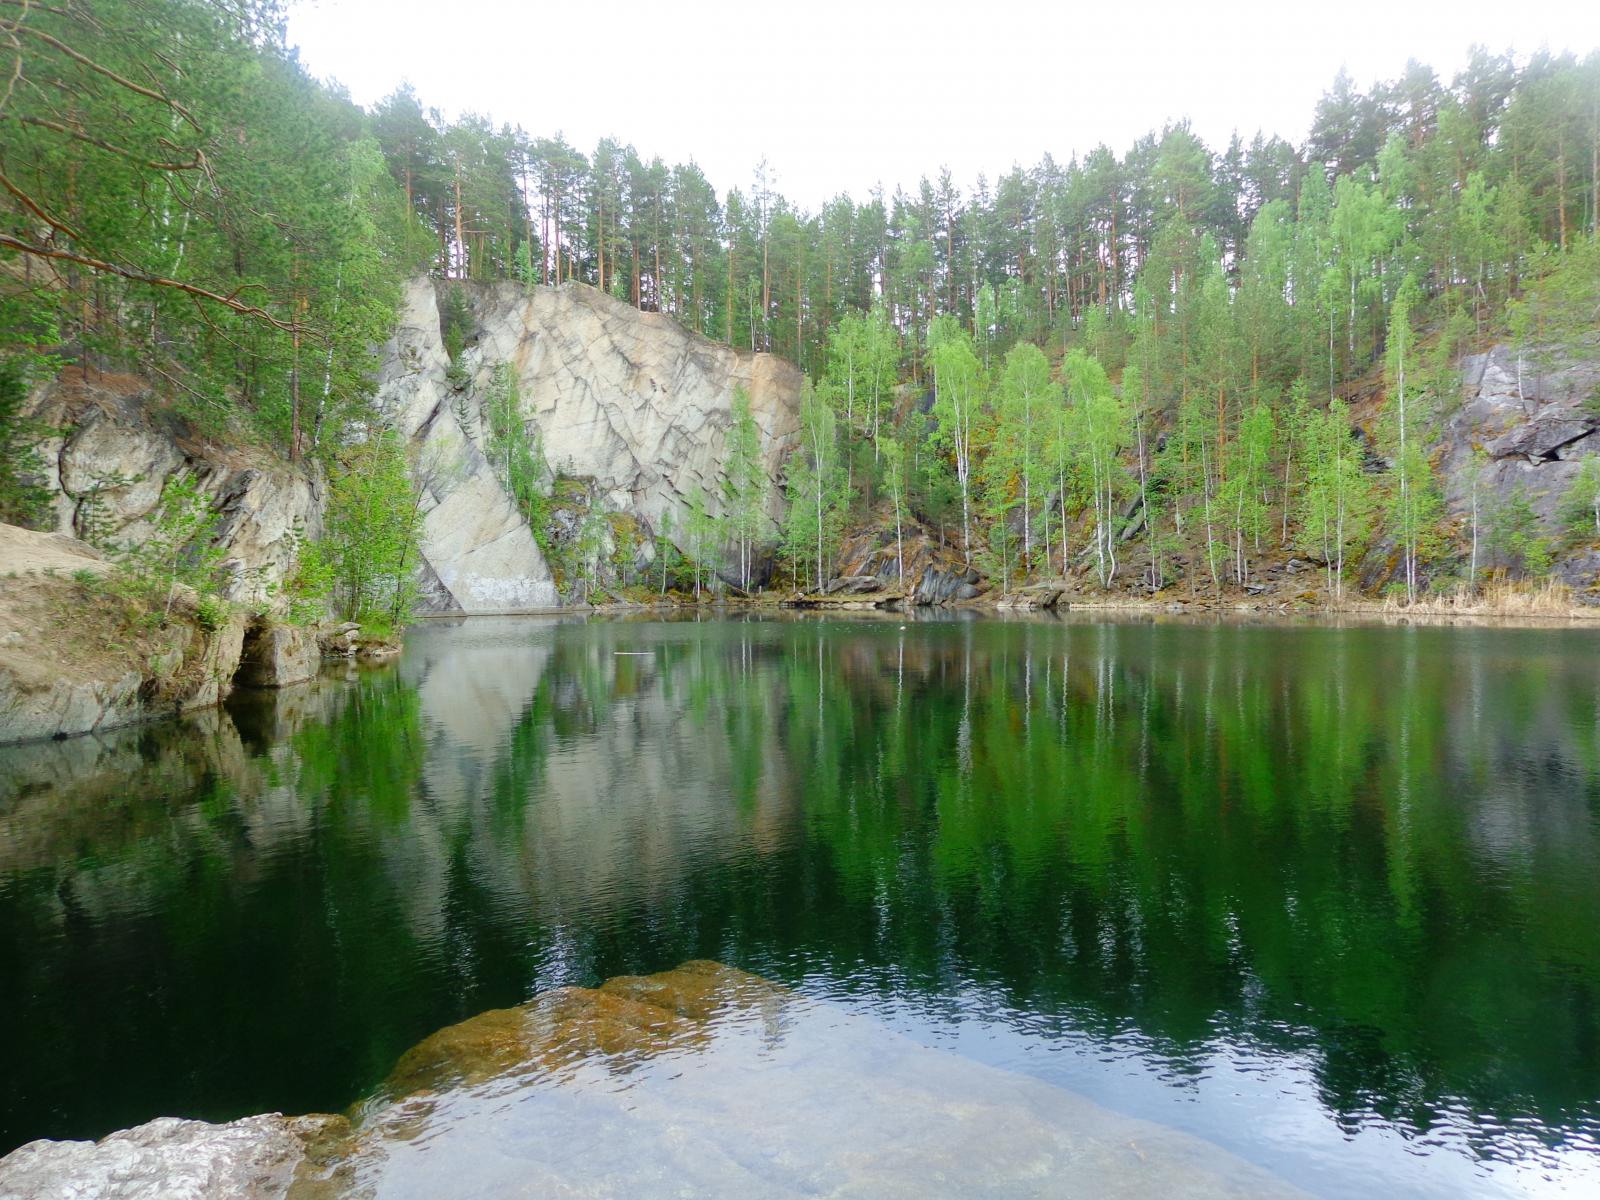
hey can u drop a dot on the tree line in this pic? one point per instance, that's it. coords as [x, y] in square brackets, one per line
[1154, 344]
[1457, 182]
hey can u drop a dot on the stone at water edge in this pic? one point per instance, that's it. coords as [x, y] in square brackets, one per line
[255, 1158]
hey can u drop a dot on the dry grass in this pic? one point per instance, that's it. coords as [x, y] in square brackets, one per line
[1547, 598]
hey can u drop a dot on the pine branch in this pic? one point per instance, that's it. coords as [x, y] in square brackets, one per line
[230, 302]
[107, 72]
[194, 164]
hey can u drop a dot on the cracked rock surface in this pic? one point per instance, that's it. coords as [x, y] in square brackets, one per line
[631, 402]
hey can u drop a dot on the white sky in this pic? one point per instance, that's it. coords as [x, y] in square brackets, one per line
[839, 95]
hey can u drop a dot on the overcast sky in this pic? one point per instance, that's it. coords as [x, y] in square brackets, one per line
[839, 95]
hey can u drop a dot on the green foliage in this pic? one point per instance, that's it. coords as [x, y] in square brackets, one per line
[23, 500]
[894, 486]
[1097, 432]
[516, 452]
[816, 493]
[1334, 506]
[178, 550]
[1415, 505]
[1514, 541]
[1560, 315]
[746, 488]
[704, 532]
[1028, 401]
[1244, 495]
[1579, 510]
[669, 559]
[455, 321]
[186, 200]
[1214, 281]
[588, 546]
[212, 612]
[957, 378]
[372, 528]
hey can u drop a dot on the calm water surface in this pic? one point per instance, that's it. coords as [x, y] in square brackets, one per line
[1327, 897]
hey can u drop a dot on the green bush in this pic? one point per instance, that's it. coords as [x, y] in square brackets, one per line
[368, 553]
[211, 612]
[178, 551]
[516, 453]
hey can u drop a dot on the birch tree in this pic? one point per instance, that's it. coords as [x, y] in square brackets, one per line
[956, 379]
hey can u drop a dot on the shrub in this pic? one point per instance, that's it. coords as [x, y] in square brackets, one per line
[368, 553]
[211, 612]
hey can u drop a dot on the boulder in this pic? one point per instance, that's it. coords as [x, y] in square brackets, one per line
[76, 657]
[339, 641]
[170, 1159]
[854, 585]
[1541, 438]
[1036, 596]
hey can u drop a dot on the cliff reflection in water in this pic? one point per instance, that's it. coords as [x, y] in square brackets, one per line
[1369, 853]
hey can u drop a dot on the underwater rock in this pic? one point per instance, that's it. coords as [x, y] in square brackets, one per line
[704, 1080]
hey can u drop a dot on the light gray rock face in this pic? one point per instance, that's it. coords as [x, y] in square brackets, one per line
[34, 709]
[166, 1159]
[631, 402]
[1534, 422]
[479, 554]
[118, 452]
[634, 400]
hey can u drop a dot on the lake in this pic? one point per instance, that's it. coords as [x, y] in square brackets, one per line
[1327, 897]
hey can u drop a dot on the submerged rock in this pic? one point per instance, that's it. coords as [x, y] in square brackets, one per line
[703, 1080]
[709, 1081]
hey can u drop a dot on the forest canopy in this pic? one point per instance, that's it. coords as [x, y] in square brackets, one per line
[177, 193]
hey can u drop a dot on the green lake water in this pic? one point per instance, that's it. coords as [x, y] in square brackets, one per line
[1325, 897]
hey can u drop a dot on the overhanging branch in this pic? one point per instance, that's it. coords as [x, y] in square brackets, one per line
[254, 312]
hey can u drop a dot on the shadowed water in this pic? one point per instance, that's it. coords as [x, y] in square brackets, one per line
[1328, 898]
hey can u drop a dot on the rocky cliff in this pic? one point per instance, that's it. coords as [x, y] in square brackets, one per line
[1535, 417]
[116, 447]
[631, 404]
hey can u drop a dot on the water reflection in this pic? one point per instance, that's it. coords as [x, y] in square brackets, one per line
[1330, 897]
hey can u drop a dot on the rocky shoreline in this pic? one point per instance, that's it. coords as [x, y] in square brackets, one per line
[78, 654]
